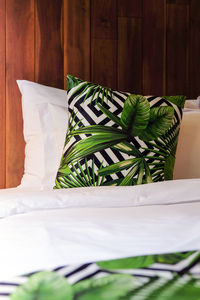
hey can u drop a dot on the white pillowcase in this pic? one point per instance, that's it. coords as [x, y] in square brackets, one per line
[45, 116]
[192, 104]
[188, 151]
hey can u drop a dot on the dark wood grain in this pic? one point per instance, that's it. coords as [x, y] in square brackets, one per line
[153, 46]
[49, 43]
[195, 49]
[104, 61]
[104, 22]
[177, 2]
[2, 92]
[177, 49]
[19, 65]
[104, 42]
[130, 54]
[141, 46]
[129, 8]
[77, 38]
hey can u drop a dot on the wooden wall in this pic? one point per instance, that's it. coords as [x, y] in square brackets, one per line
[142, 46]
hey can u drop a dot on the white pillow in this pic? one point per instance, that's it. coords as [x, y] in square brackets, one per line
[45, 123]
[192, 104]
[188, 151]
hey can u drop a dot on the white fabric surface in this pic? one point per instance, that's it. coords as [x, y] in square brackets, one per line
[192, 104]
[90, 230]
[187, 164]
[13, 201]
[45, 123]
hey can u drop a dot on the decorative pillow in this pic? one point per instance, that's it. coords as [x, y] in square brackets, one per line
[45, 116]
[117, 138]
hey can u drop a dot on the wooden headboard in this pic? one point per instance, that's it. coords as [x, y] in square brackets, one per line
[143, 46]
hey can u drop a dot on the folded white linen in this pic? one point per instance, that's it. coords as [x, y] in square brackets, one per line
[192, 104]
[50, 238]
[16, 201]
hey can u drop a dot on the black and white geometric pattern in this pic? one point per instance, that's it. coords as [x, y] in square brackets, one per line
[149, 281]
[89, 114]
[83, 103]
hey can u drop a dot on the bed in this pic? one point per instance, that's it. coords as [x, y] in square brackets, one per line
[45, 231]
[102, 242]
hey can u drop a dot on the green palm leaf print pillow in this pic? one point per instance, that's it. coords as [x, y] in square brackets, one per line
[118, 138]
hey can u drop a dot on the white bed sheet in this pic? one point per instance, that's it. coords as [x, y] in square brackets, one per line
[47, 238]
[18, 201]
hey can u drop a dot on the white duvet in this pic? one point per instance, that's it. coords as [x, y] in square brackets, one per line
[46, 229]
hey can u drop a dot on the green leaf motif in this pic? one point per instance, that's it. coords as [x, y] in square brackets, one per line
[173, 289]
[64, 169]
[160, 120]
[127, 148]
[44, 286]
[155, 126]
[110, 115]
[128, 179]
[111, 287]
[72, 81]
[96, 129]
[135, 114]
[78, 177]
[105, 138]
[127, 263]
[169, 167]
[117, 167]
[94, 91]
[172, 258]
[189, 291]
[143, 261]
[177, 100]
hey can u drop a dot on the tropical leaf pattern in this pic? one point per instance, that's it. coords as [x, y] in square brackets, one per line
[153, 277]
[117, 138]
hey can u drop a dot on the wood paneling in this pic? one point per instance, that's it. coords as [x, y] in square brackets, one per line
[104, 62]
[140, 46]
[177, 2]
[130, 54]
[2, 91]
[104, 42]
[127, 8]
[77, 38]
[49, 43]
[103, 18]
[19, 65]
[177, 70]
[195, 49]
[153, 46]
[129, 46]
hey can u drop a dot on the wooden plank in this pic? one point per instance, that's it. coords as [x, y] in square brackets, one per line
[153, 47]
[177, 49]
[177, 2]
[130, 55]
[49, 43]
[77, 38]
[104, 42]
[104, 61]
[19, 65]
[104, 23]
[129, 8]
[2, 92]
[194, 49]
